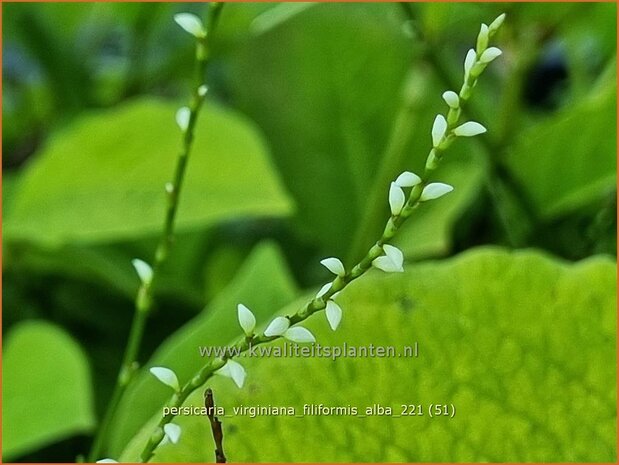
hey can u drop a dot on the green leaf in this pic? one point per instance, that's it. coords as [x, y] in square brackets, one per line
[324, 86]
[569, 160]
[103, 178]
[523, 345]
[263, 284]
[46, 388]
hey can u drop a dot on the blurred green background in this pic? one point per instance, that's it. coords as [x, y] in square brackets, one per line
[312, 110]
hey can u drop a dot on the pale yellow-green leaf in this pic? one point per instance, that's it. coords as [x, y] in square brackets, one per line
[523, 345]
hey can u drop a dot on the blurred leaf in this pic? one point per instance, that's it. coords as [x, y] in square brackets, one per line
[324, 86]
[569, 160]
[263, 284]
[46, 388]
[523, 345]
[102, 179]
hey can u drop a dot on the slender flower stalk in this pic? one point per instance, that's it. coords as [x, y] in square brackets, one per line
[382, 254]
[186, 118]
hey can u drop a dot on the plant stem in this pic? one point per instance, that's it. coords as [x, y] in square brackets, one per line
[144, 298]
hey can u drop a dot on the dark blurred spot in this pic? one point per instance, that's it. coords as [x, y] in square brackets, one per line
[546, 82]
[406, 304]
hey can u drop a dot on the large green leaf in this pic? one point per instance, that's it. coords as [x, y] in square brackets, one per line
[46, 390]
[569, 160]
[263, 284]
[522, 345]
[102, 179]
[324, 85]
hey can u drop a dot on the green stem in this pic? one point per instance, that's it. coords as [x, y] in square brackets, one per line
[144, 298]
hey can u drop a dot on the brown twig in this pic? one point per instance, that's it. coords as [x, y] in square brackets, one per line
[218, 434]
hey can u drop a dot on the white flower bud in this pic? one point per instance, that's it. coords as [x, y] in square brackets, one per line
[277, 327]
[202, 90]
[469, 129]
[299, 334]
[182, 118]
[482, 39]
[451, 99]
[172, 432]
[496, 24]
[438, 130]
[334, 314]
[169, 188]
[469, 61]
[490, 54]
[407, 179]
[392, 261]
[107, 461]
[323, 290]
[434, 191]
[396, 199]
[144, 270]
[247, 320]
[334, 265]
[191, 23]
[167, 377]
[233, 370]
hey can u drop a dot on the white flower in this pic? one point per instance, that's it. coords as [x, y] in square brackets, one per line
[190, 23]
[182, 118]
[166, 376]
[490, 54]
[334, 314]
[107, 461]
[233, 370]
[396, 199]
[392, 261]
[469, 129]
[469, 61]
[277, 327]
[172, 432]
[451, 99]
[407, 179]
[202, 90]
[143, 269]
[438, 129]
[334, 265]
[299, 334]
[496, 24]
[247, 320]
[323, 290]
[482, 38]
[434, 191]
